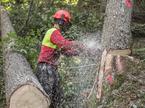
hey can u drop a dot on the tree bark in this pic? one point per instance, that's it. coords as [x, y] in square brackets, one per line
[116, 42]
[116, 29]
[21, 86]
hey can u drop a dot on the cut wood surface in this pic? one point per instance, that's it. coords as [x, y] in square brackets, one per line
[112, 61]
[22, 87]
[120, 52]
[101, 74]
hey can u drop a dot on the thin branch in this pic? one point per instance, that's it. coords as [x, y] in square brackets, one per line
[28, 17]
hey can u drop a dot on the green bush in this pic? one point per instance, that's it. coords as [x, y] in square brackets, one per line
[29, 46]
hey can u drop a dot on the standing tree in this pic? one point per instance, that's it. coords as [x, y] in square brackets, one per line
[116, 40]
[116, 30]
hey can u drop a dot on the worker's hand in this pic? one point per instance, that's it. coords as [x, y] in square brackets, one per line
[73, 50]
[78, 46]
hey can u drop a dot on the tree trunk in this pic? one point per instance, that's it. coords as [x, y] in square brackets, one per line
[21, 86]
[116, 29]
[116, 42]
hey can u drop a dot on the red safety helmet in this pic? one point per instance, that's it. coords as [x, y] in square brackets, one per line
[62, 14]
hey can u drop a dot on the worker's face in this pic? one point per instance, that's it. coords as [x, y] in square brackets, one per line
[65, 27]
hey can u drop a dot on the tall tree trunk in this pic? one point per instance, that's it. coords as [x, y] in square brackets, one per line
[116, 41]
[116, 29]
[22, 88]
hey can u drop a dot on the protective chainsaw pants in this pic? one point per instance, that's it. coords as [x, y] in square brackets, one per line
[49, 79]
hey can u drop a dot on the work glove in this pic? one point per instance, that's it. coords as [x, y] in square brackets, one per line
[72, 50]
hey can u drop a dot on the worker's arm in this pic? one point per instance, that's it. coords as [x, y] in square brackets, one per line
[68, 47]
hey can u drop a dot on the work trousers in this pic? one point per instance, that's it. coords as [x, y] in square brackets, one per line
[49, 79]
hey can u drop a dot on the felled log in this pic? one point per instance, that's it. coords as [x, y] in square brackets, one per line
[21, 86]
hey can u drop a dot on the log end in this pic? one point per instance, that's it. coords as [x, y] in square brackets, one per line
[28, 96]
